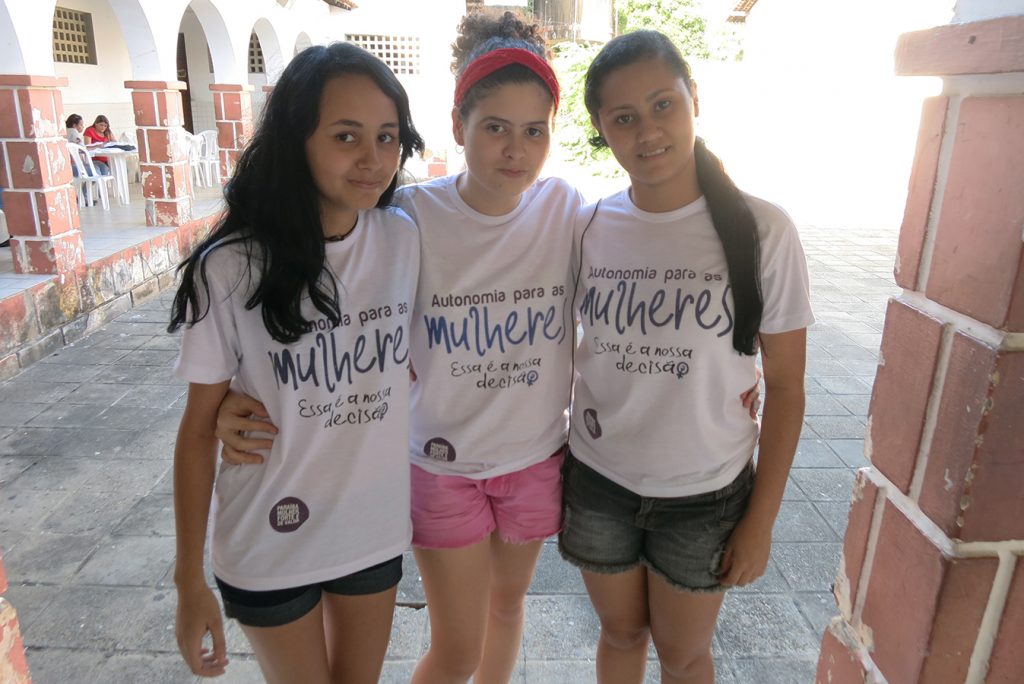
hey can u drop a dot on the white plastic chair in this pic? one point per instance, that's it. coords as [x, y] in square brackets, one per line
[211, 156]
[195, 160]
[88, 177]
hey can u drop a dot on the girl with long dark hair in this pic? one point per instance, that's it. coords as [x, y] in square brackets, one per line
[684, 280]
[301, 297]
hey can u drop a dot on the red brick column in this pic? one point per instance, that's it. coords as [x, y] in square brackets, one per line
[13, 666]
[931, 586]
[39, 202]
[232, 108]
[163, 152]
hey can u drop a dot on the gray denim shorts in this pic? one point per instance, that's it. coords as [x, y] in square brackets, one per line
[608, 528]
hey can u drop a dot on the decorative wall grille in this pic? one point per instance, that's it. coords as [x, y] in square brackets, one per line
[256, 65]
[73, 40]
[401, 53]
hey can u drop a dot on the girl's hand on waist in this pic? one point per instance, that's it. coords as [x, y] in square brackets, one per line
[238, 415]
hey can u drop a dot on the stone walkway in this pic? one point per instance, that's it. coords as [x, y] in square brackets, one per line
[86, 523]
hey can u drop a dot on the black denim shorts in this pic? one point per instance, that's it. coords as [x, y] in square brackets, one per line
[281, 606]
[608, 528]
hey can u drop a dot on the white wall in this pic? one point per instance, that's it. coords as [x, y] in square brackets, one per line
[99, 88]
[814, 118]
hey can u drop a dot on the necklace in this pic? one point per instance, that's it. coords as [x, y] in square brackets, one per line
[341, 236]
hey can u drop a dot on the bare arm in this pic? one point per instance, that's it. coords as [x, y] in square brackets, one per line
[195, 459]
[783, 357]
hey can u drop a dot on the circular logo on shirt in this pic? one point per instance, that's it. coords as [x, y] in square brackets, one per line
[288, 514]
[439, 449]
[590, 420]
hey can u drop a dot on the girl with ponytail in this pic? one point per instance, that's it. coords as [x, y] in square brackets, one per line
[683, 281]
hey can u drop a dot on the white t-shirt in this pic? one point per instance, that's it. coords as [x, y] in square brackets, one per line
[74, 135]
[492, 329]
[332, 496]
[657, 406]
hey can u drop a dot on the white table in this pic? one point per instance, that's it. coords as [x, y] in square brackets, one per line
[118, 167]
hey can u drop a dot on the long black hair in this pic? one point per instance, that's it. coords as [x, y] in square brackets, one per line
[732, 218]
[273, 206]
[480, 33]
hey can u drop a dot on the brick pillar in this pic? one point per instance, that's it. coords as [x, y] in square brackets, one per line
[39, 201]
[931, 585]
[13, 666]
[232, 108]
[163, 151]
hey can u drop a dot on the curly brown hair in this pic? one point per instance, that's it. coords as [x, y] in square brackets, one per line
[482, 32]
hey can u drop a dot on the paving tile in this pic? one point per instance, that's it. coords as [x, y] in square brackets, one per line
[45, 557]
[824, 484]
[152, 396]
[84, 513]
[129, 562]
[122, 417]
[66, 416]
[857, 404]
[776, 670]
[92, 443]
[14, 415]
[44, 372]
[836, 514]
[818, 607]
[108, 619]
[793, 491]
[764, 625]
[800, 521]
[135, 668]
[845, 385]
[61, 666]
[408, 632]
[24, 510]
[149, 357]
[101, 394]
[824, 405]
[35, 392]
[126, 478]
[554, 575]
[395, 672]
[54, 473]
[153, 515]
[31, 603]
[560, 627]
[851, 451]
[837, 427]
[90, 356]
[808, 566]
[150, 444]
[815, 453]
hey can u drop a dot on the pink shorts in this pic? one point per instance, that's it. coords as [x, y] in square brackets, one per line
[450, 511]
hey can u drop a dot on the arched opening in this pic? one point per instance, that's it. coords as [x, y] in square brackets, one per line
[302, 42]
[266, 62]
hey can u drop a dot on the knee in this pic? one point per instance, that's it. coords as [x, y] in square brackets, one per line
[625, 637]
[685, 665]
[456, 661]
[506, 608]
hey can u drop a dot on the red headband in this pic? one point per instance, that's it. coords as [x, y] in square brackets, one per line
[486, 64]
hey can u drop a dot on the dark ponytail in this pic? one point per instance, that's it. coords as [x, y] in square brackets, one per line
[737, 229]
[734, 222]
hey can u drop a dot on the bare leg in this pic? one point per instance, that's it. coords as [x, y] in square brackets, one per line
[357, 630]
[511, 571]
[292, 653]
[621, 604]
[457, 585]
[682, 624]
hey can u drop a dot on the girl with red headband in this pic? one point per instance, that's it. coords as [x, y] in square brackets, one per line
[490, 344]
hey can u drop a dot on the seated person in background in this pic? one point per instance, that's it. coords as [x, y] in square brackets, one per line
[75, 125]
[100, 133]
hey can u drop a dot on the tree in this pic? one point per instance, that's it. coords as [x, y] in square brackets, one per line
[677, 19]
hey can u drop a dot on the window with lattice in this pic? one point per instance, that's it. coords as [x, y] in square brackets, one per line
[401, 53]
[256, 65]
[73, 40]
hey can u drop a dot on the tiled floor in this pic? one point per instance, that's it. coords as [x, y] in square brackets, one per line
[87, 529]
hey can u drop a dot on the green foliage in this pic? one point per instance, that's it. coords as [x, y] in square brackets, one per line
[677, 19]
[574, 129]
